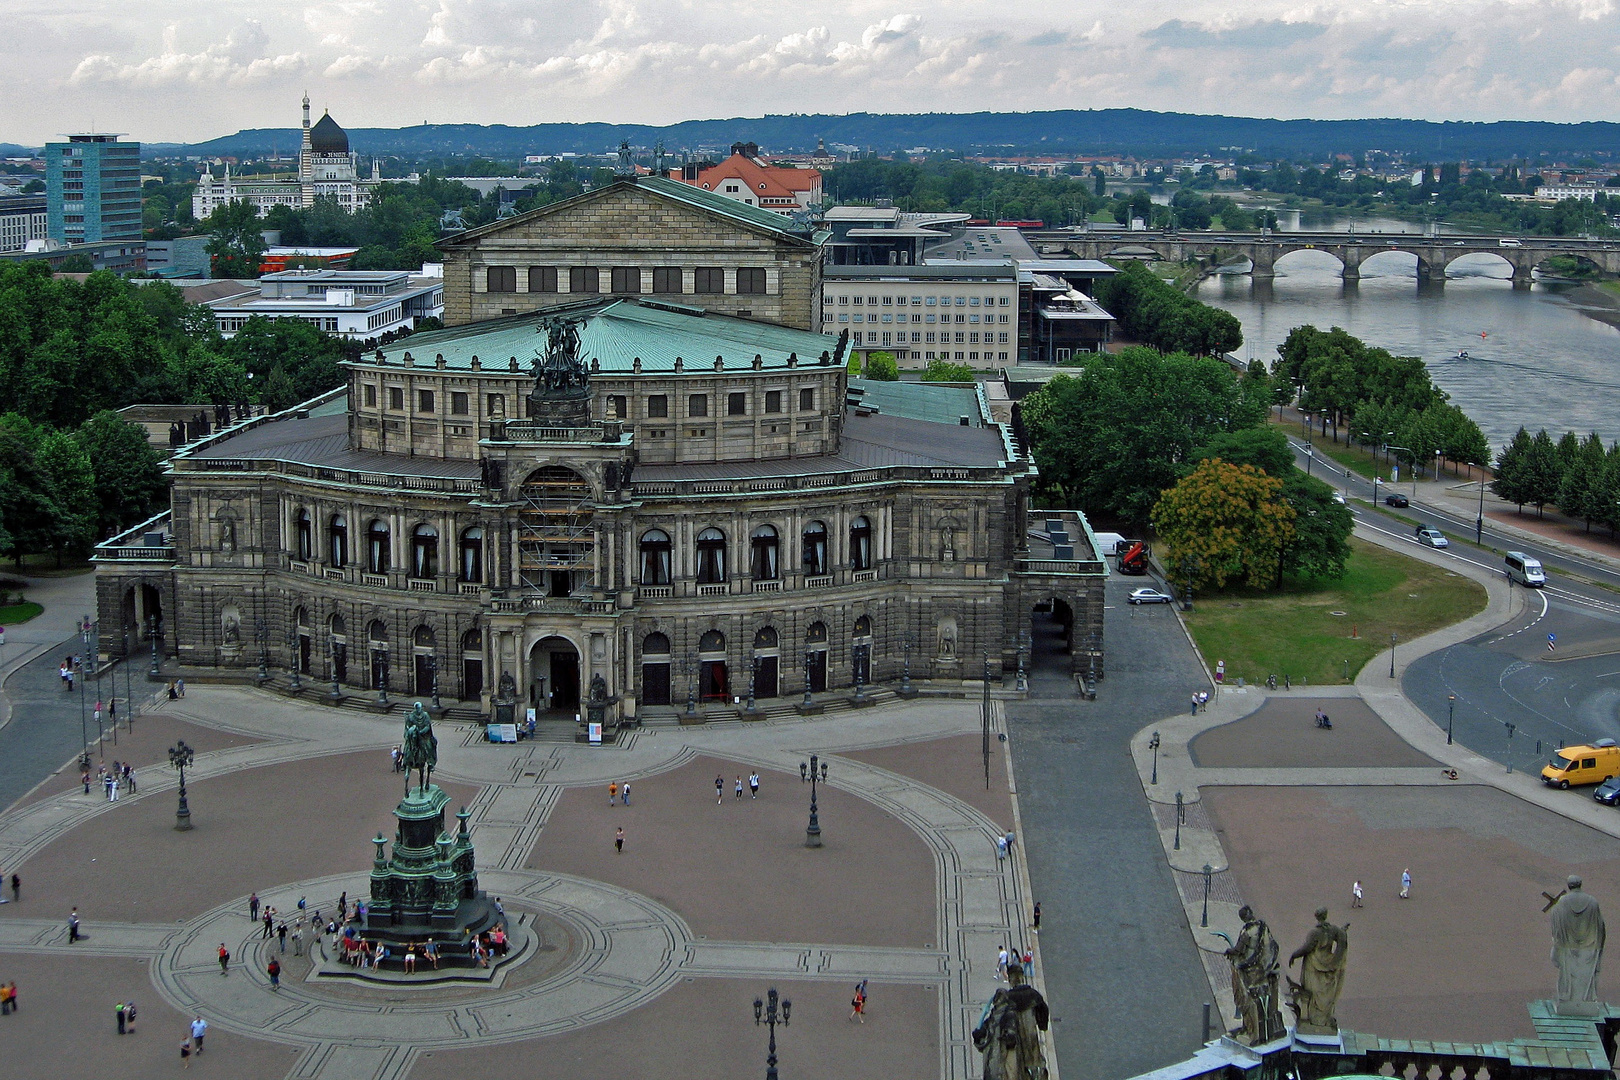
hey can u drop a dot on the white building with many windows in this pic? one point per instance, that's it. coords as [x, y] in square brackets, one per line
[327, 169]
[355, 304]
[964, 312]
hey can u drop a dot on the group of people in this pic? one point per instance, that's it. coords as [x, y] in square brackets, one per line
[1006, 956]
[619, 792]
[120, 777]
[720, 787]
[193, 1044]
[177, 689]
[1200, 701]
[1356, 894]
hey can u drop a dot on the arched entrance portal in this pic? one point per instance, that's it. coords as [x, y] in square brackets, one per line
[143, 614]
[554, 676]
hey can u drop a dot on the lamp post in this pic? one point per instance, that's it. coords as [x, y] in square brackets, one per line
[691, 689]
[382, 680]
[433, 673]
[1153, 745]
[129, 692]
[157, 645]
[1203, 920]
[84, 731]
[262, 636]
[1392, 639]
[860, 684]
[292, 659]
[984, 712]
[753, 674]
[1479, 518]
[180, 756]
[905, 672]
[1181, 815]
[1024, 646]
[766, 1013]
[331, 665]
[1451, 714]
[812, 835]
[808, 700]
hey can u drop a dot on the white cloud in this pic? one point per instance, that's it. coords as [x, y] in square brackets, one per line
[169, 69]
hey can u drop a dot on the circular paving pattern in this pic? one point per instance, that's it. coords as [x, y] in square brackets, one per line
[601, 952]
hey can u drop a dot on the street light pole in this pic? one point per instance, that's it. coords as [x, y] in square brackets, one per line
[766, 1014]
[812, 835]
[1392, 639]
[157, 646]
[984, 712]
[1451, 714]
[1181, 815]
[1479, 519]
[180, 755]
[1153, 744]
[1203, 920]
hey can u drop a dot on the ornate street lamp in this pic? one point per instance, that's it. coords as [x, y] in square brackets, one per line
[180, 756]
[262, 636]
[1181, 816]
[292, 659]
[753, 674]
[808, 700]
[1153, 745]
[382, 681]
[157, 644]
[812, 835]
[331, 665]
[1203, 920]
[765, 1012]
[691, 689]
[433, 672]
[1451, 714]
[905, 672]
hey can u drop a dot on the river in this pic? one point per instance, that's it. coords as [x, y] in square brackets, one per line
[1536, 359]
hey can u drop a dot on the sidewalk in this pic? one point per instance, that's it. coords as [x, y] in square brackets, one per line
[66, 600]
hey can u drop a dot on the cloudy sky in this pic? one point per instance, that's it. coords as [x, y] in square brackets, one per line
[167, 70]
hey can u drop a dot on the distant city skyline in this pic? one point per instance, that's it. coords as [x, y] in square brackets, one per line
[170, 71]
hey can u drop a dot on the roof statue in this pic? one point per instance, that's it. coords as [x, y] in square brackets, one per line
[627, 162]
[1578, 934]
[1321, 977]
[562, 385]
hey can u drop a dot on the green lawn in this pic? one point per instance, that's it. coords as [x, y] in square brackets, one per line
[1295, 632]
[12, 614]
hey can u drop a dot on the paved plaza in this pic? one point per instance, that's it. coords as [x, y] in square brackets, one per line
[646, 961]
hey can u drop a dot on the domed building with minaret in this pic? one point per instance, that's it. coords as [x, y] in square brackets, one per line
[327, 169]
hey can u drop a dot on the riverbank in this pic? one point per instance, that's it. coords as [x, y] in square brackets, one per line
[1598, 300]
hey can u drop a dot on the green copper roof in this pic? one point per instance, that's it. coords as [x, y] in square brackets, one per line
[614, 334]
[934, 402]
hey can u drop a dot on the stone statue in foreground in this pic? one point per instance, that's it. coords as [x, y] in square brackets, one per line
[1321, 976]
[1577, 951]
[1254, 981]
[1009, 1031]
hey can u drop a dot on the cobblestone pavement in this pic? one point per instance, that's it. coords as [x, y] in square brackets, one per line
[633, 949]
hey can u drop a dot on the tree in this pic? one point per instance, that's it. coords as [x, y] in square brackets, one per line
[236, 243]
[1543, 472]
[947, 371]
[68, 484]
[1265, 448]
[1511, 478]
[308, 357]
[1230, 522]
[880, 367]
[1581, 492]
[1322, 527]
[77, 263]
[129, 482]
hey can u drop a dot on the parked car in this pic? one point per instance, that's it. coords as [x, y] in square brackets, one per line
[1397, 500]
[1584, 764]
[1338, 497]
[1149, 596]
[1608, 792]
[1432, 537]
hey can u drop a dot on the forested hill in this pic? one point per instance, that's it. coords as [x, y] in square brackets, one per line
[1124, 131]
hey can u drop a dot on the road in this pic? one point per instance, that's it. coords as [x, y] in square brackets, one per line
[1122, 972]
[1549, 678]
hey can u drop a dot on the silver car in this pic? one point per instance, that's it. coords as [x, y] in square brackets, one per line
[1149, 596]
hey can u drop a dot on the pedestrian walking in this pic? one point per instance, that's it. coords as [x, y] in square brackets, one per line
[739, 787]
[618, 841]
[199, 1028]
[613, 792]
[753, 785]
[67, 674]
[224, 959]
[129, 1016]
[253, 906]
[85, 778]
[624, 793]
[1036, 923]
[857, 1003]
[719, 790]
[185, 1053]
[298, 939]
[73, 926]
[1001, 849]
[1002, 958]
[1029, 964]
[1406, 884]
[281, 932]
[180, 685]
[1355, 893]
[1195, 703]
[273, 969]
[268, 922]
[343, 906]
[129, 777]
[11, 995]
[16, 888]
[5, 999]
[174, 694]
[1012, 838]
[118, 1015]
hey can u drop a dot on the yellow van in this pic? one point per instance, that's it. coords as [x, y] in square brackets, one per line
[1583, 764]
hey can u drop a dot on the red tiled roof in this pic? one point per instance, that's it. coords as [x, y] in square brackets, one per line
[762, 181]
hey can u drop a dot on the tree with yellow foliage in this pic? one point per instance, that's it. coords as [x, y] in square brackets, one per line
[1224, 522]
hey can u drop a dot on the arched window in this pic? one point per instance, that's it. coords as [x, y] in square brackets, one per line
[472, 640]
[301, 618]
[655, 681]
[714, 679]
[711, 557]
[815, 657]
[377, 634]
[337, 538]
[765, 638]
[712, 642]
[764, 544]
[817, 634]
[655, 557]
[339, 627]
[767, 663]
[377, 641]
[377, 547]
[860, 544]
[815, 549]
[863, 627]
[472, 664]
[424, 660]
[655, 645]
[424, 552]
[340, 649]
[472, 555]
[303, 537]
[860, 653]
[423, 636]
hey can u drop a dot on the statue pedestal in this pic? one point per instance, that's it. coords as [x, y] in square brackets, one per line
[1585, 1009]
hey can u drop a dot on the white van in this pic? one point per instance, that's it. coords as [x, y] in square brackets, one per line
[1508, 243]
[1525, 570]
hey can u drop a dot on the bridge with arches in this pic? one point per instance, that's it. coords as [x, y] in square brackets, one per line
[1263, 250]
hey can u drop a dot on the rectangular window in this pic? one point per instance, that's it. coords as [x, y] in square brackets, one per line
[1003, 318]
[1003, 301]
[807, 399]
[1002, 337]
[709, 279]
[542, 279]
[501, 278]
[773, 401]
[859, 301]
[973, 301]
[916, 301]
[751, 281]
[973, 338]
[916, 338]
[928, 301]
[371, 396]
[961, 338]
[888, 301]
[396, 397]
[657, 406]
[697, 405]
[736, 404]
[458, 403]
[929, 338]
[584, 279]
[495, 404]
[618, 407]
[973, 318]
[843, 300]
[627, 279]
[424, 401]
[667, 279]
